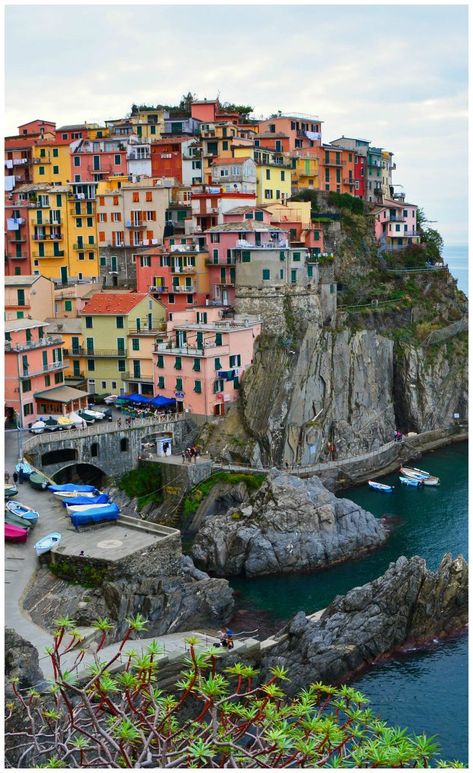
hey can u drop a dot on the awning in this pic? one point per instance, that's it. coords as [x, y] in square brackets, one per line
[161, 402]
[61, 394]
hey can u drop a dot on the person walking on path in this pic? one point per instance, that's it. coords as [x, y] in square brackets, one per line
[183, 458]
[15, 477]
[7, 477]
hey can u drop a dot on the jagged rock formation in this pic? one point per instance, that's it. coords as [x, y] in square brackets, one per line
[21, 662]
[289, 525]
[408, 604]
[171, 600]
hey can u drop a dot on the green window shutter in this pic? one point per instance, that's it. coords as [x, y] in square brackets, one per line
[178, 363]
[76, 367]
[296, 256]
[236, 383]
[67, 305]
[21, 297]
[293, 276]
[41, 170]
[222, 274]
[282, 255]
[55, 152]
[75, 344]
[218, 339]
[281, 273]
[45, 360]
[55, 170]
[39, 217]
[160, 361]
[218, 364]
[310, 273]
[317, 235]
[89, 208]
[120, 323]
[135, 344]
[77, 208]
[266, 273]
[196, 365]
[178, 384]
[121, 345]
[90, 222]
[249, 215]
[258, 215]
[161, 382]
[90, 345]
[198, 387]
[121, 366]
[42, 152]
[245, 256]
[88, 321]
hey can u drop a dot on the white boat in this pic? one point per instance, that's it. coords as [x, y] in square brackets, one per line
[10, 490]
[85, 508]
[380, 486]
[38, 427]
[97, 415]
[47, 542]
[416, 474]
[110, 399]
[69, 494]
[76, 420]
[411, 481]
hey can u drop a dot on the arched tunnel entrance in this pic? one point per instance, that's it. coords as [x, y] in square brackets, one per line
[80, 473]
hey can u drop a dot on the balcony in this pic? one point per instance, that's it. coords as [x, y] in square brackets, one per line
[337, 164]
[52, 367]
[47, 221]
[41, 160]
[129, 375]
[47, 238]
[227, 261]
[183, 269]
[38, 344]
[134, 224]
[183, 289]
[192, 351]
[104, 169]
[402, 234]
[395, 219]
[85, 247]
[16, 257]
[155, 330]
[16, 240]
[58, 254]
[158, 289]
[120, 353]
[348, 181]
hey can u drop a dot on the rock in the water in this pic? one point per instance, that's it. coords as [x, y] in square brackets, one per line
[292, 525]
[407, 604]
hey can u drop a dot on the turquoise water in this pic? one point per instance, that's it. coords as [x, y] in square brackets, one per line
[457, 258]
[428, 688]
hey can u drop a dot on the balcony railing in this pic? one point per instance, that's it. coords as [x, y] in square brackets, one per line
[47, 238]
[121, 353]
[183, 289]
[59, 254]
[348, 181]
[16, 240]
[41, 160]
[154, 330]
[76, 352]
[104, 169]
[52, 367]
[47, 221]
[334, 163]
[402, 234]
[85, 246]
[158, 289]
[183, 269]
[15, 257]
[192, 351]
[38, 344]
[130, 375]
[135, 223]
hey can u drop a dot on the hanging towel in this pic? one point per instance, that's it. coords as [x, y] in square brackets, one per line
[9, 163]
[10, 182]
[12, 225]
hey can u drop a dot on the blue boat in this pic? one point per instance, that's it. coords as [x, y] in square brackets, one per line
[23, 511]
[47, 542]
[26, 469]
[100, 515]
[411, 481]
[70, 487]
[100, 499]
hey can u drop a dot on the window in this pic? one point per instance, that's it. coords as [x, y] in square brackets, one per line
[121, 345]
[214, 238]
[293, 276]
[20, 297]
[120, 322]
[103, 260]
[55, 170]
[218, 364]
[26, 385]
[136, 196]
[178, 363]
[283, 176]
[160, 361]
[94, 449]
[296, 256]
[78, 222]
[161, 382]
[196, 365]
[90, 365]
[124, 444]
[121, 366]
[117, 159]
[171, 298]
[219, 385]
[236, 383]
[41, 169]
[235, 360]
[178, 384]
[149, 195]
[135, 344]
[47, 381]
[268, 174]
[245, 256]
[76, 160]
[58, 378]
[266, 273]
[67, 305]
[28, 409]
[198, 387]
[268, 194]
[88, 322]
[218, 339]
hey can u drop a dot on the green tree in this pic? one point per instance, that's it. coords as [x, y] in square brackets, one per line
[215, 717]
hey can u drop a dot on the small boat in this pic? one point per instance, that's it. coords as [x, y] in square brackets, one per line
[26, 469]
[17, 520]
[23, 510]
[380, 486]
[71, 487]
[66, 495]
[38, 427]
[100, 499]
[10, 490]
[84, 508]
[110, 399]
[413, 472]
[39, 481]
[15, 534]
[97, 415]
[94, 515]
[76, 420]
[411, 481]
[51, 424]
[64, 422]
[47, 542]
[87, 417]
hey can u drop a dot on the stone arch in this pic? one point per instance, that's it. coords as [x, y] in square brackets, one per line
[80, 472]
[59, 455]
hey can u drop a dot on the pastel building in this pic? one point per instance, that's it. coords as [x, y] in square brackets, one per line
[93, 160]
[295, 216]
[176, 274]
[360, 149]
[202, 362]
[70, 330]
[108, 319]
[336, 169]
[396, 225]
[305, 170]
[234, 174]
[210, 203]
[302, 131]
[51, 163]
[148, 124]
[70, 300]
[17, 237]
[138, 157]
[379, 166]
[191, 163]
[273, 173]
[29, 297]
[34, 364]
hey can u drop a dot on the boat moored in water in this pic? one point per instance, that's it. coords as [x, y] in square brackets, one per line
[380, 486]
[411, 482]
[413, 472]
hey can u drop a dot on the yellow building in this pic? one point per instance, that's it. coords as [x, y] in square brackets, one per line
[305, 170]
[70, 331]
[113, 326]
[218, 141]
[51, 163]
[83, 237]
[273, 173]
[148, 124]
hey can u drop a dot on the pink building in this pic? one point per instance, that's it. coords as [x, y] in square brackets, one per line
[204, 359]
[300, 130]
[254, 230]
[94, 160]
[34, 364]
[211, 203]
[395, 225]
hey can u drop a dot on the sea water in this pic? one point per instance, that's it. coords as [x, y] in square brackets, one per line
[425, 691]
[456, 256]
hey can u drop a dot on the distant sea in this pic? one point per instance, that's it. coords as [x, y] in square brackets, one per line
[457, 258]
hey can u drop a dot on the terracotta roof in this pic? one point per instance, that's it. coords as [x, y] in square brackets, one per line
[219, 160]
[268, 135]
[246, 225]
[113, 303]
[243, 210]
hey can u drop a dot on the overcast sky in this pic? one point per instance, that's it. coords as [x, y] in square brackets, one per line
[395, 75]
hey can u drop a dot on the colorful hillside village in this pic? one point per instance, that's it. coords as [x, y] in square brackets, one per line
[126, 247]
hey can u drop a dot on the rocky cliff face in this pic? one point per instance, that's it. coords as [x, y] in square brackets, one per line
[290, 525]
[407, 604]
[176, 601]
